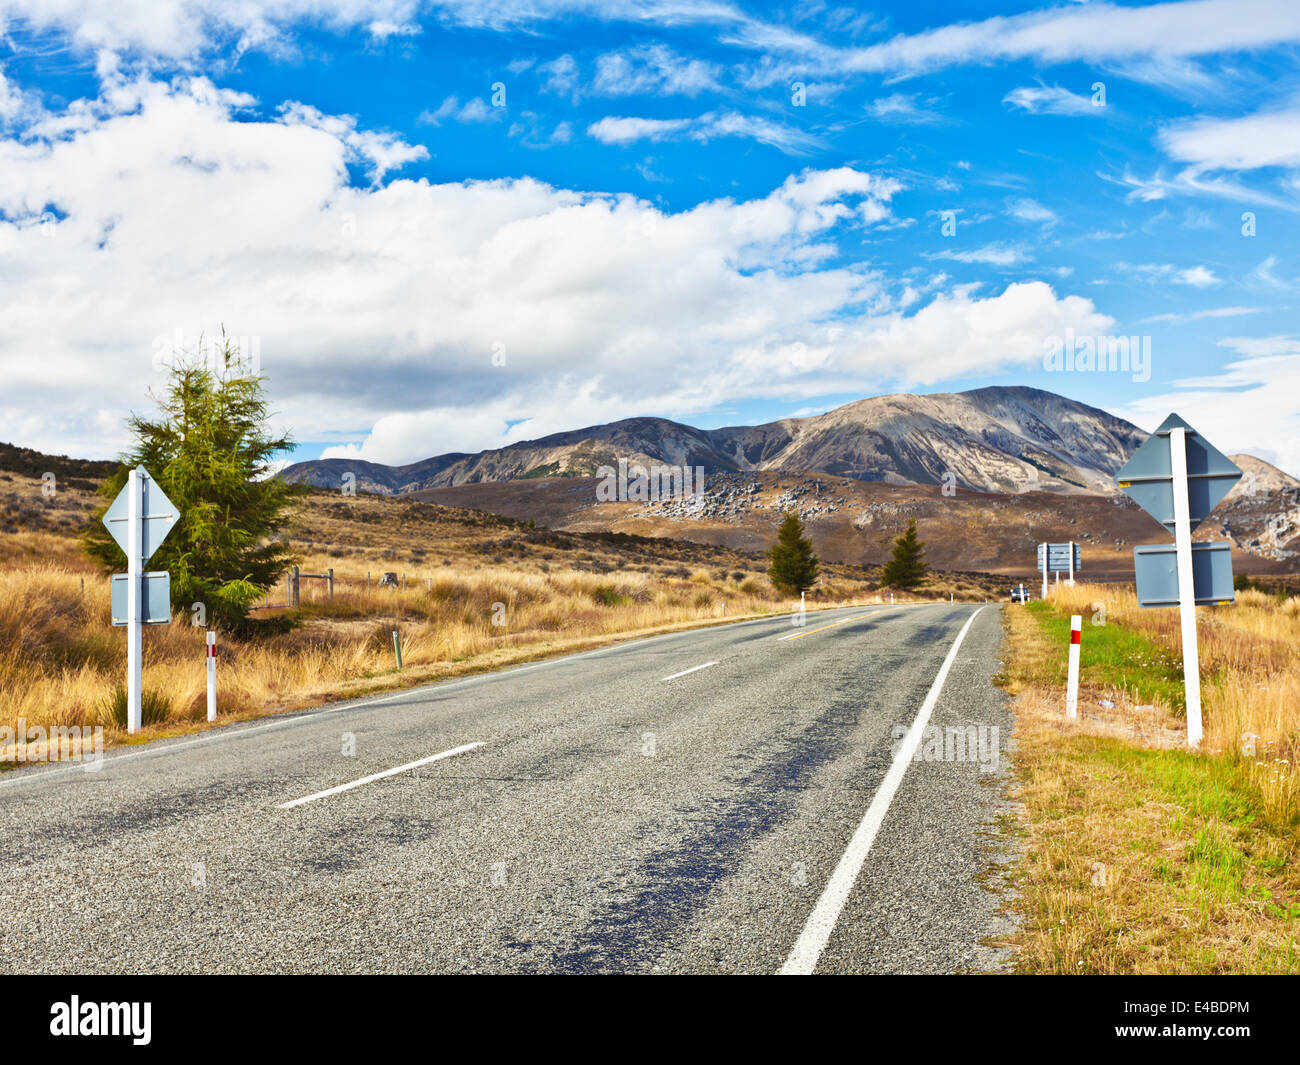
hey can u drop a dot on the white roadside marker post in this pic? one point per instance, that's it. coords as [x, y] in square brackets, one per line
[1186, 592]
[1072, 679]
[134, 612]
[212, 676]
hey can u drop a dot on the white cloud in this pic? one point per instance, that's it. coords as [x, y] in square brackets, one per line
[560, 76]
[1051, 100]
[1210, 148]
[959, 336]
[1151, 41]
[1167, 273]
[377, 310]
[903, 109]
[1245, 143]
[1209, 312]
[475, 109]
[1249, 406]
[616, 130]
[380, 151]
[1264, 274]
[994, 254]
[1197, 277]
[653, 69]
[184, 29]
[15, 105]
[1025, 209]
[704, 128]
[1091, 33]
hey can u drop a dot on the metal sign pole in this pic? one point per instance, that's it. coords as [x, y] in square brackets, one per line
[134, 567]
[1186, 590]
[1070, 582]
[1045, 548]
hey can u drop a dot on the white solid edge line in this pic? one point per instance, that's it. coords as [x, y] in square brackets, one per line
[693, 669]
[378, 776]
[821, 922]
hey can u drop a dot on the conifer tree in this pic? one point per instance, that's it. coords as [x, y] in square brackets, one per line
[907, 568]
[209, 449]
[794, 564]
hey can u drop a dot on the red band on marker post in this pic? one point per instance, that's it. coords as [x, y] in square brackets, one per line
[1075, 635]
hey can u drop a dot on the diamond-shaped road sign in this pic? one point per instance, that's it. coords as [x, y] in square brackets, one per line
[157, 511]
[1178, 478]
[1148, 475]
[1156, 569]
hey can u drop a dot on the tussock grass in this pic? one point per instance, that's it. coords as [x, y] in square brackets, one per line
[1141, 856]
[1250, 666]
[62, 664]
[481, 592]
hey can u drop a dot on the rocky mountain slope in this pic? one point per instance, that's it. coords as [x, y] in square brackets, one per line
[990, 439]
[856, 521]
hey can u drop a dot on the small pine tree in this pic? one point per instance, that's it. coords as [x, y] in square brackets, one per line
[908, 567]
[794, 563]
[210, 451]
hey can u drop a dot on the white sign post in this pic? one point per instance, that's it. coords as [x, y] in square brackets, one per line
[1044, 571]
[1070, 580]
[1186, 590]
[134, 567]
[139, 519]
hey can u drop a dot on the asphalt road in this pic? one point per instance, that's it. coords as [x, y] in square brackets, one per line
[616, 817]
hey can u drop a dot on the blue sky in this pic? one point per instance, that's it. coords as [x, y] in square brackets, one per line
[449, 226]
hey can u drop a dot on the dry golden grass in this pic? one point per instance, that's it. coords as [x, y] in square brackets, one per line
[1139, 855]
[1250, 663]
[481, 592]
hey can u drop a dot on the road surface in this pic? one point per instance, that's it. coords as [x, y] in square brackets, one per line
[719, 800]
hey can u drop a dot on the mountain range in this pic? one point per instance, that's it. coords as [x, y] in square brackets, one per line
[998, 439]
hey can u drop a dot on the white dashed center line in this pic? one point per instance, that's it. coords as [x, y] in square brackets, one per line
[691, 670]
[377, 776]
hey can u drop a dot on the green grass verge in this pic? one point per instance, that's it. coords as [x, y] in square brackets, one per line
[1111, 656]
[1139, 860]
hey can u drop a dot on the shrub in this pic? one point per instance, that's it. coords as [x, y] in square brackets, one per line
[606, 595]
[155, 707]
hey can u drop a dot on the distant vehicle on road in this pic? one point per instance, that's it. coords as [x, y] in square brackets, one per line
[1019, 594]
